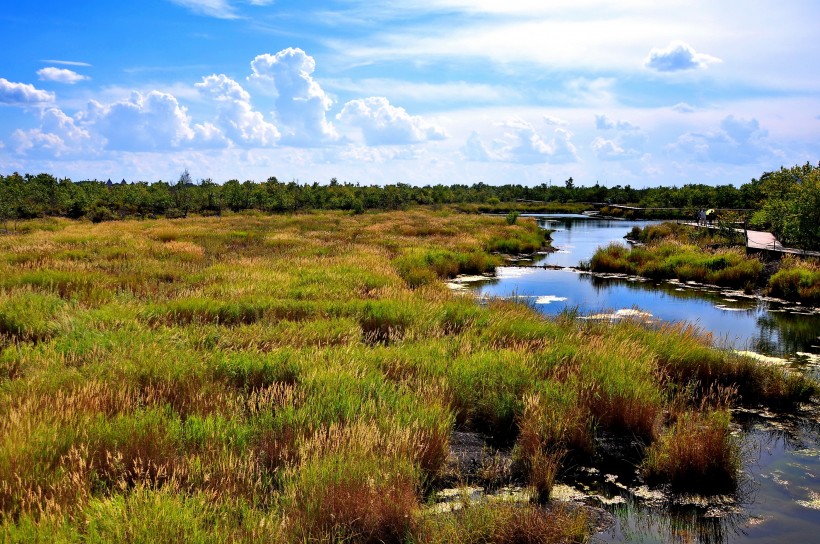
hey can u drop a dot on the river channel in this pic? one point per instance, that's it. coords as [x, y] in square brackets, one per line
[779, 499]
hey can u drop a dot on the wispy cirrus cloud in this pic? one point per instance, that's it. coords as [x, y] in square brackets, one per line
[221, 9]
[67, 62]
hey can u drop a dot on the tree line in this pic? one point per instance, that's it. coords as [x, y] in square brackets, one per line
[786, 201]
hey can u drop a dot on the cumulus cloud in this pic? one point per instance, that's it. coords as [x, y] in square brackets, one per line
[384, 124]
[625, 142]
[380, 155]
[678, 56]
[22, 94]
[737, 141]
[301, 104]
[145, 122]
[237, 118]
[60, 75]
[604, 122]
[521, 143]
[610, 150]
[59, 135]
[550, 120]
[683, 107]
[591, 91]
[475, 149]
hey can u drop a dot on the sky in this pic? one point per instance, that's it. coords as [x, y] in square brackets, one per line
[627, 92]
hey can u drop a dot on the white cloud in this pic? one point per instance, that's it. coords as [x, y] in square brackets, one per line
[236, 117]
[377, 155]
[475, 149]
[60, 75]
[737, 141]
[521, 143]
[58, 136]
[144, 122]
[557, 121]
[221, 9]
[609, 150]
[440, 93]
[384, 124]
[67, 63]
[301, 104]
[596, 91]
[678, 56]
[683, 107]
[22, 94]
[604, 122]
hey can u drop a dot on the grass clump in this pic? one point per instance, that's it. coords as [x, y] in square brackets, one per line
[673, 250]
[31, 317]
[663, 260]
[502, 523]
[796, 280]
[698, 452]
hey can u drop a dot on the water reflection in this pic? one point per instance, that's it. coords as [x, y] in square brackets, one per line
[734, 321]
[779, 500]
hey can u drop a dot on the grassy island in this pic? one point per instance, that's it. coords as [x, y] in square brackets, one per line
[672, 250]
[299, 378]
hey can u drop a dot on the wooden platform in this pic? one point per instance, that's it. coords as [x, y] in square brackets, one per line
[758, 240]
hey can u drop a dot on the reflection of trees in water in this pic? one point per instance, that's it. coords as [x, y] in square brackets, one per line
[670, 289]
[777, 332]
[793, 432]
[786, 333]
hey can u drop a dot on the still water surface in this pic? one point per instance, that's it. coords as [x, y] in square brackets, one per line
[734, 320]
[779, 500]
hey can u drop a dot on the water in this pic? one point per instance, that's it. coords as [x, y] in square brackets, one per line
[779, 499]
[736, 321]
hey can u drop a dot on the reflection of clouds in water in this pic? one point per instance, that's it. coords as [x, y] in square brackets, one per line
[506, 272]
[549, 298]
[813, 502]
[623, 313]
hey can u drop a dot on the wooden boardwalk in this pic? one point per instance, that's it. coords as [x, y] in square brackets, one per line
[758, 240]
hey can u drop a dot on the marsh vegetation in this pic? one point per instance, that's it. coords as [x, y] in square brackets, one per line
[299, 378]
[671, 250]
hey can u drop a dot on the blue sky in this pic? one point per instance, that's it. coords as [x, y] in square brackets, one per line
[443, 91]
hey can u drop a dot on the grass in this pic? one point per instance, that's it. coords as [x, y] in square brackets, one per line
[673, 250]
[697, 452]
[797, 279]
[686, 262]
[298, 378]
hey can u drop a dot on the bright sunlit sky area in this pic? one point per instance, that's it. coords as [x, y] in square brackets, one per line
[633, 92]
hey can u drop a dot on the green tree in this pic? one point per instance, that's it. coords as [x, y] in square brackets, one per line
[11, 190]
